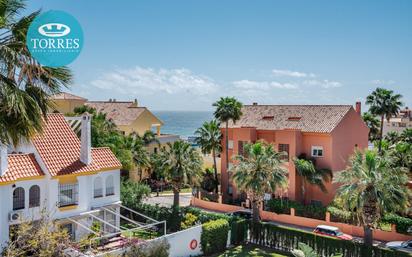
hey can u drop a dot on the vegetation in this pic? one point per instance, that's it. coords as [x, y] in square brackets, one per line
[307, 251]
[181, 165]
[261, 171]
[25, 85]
[384, 103]
[373, 124]
[132, 193]
[209, 139]
[281, 206]
[309, 174]
[40, 238]
[189, 220]
[227, 109]
[249, 251]
[371, 187]
[157, 248]
[214, 236]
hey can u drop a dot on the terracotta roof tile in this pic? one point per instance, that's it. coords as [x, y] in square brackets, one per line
[122, 113]
[67, 96]
[307, 118]
[59, 148]
[104, 158]
[21, 166]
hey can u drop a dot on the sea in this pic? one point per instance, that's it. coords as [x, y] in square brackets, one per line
[182, 123]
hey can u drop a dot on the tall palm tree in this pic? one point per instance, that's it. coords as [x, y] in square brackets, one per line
[384, 103]
[141, 158]
[373, 124]
[182, 165]
[260, 172]
[209, 139]
[227, 108]
[148, 137]
[310, 175]
[371, 186]
[25, 85]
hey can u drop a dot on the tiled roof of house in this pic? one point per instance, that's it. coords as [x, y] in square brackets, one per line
[122, 113]
[21, 166]
[307, 118]
[67, 96]
[59, 148]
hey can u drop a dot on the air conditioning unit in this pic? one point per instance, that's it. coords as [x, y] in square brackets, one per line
[15, 216]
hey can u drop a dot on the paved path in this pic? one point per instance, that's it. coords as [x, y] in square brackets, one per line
[167, 199]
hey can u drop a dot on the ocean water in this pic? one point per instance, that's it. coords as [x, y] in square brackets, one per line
[182, 123]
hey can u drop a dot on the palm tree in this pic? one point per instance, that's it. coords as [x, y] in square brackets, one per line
[310, 175]
[148, 137]
[209, 139]
[141, 158]
[227, 108]
[373, 124]
[371, 187]
[260, 172]
[406, 135]
[25, 85]
[392, 137]
[182, 165]
[384, 103]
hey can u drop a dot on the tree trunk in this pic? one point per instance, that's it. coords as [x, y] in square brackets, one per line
[368, 236]
[176, 194]
[381, 134]
[215, 169]
[303, 190]
[255, 211]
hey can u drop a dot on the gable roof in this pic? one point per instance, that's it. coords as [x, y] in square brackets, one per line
[307, 118]
[67, 96]
[59, 149]
[21, 166]
[122, 113]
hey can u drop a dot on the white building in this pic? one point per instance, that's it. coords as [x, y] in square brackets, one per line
[61, 174]
[398, 123]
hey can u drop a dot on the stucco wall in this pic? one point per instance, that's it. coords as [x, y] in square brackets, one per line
[66, 105]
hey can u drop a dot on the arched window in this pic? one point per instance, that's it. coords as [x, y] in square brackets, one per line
[109, 185]
[18, 198]
[98, 187]
[34, 196]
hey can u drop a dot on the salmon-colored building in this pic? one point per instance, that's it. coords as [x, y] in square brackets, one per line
[329, 134]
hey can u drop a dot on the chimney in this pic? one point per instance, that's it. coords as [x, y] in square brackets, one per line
[135, 104]
[3, 159]
[255, 103]
[86, 141]
[358, 108]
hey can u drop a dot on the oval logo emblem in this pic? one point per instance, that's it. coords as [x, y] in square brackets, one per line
[54, 30]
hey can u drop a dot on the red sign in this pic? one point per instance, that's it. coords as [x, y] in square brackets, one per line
[193, 244]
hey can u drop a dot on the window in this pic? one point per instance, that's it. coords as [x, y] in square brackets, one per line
[34, 196]
[402, 125]
[98, 188]
[240, 148]
[69, 229]
[230, 144]
[109, 185]
[18, 199]
[317, 151]
[284, 148]
[68, 194]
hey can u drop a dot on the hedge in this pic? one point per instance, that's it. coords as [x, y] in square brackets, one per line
[282, 206]
[238, 231]
[286, 239]
[402, 223]
[214, 236]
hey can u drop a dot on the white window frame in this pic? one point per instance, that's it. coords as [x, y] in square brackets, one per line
[98, 187]
[317, 148]
[109, 186]
[230, 145]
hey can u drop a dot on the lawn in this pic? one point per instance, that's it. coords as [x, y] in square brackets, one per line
[249, 250]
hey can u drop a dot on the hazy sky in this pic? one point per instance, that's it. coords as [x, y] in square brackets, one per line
[183, 55]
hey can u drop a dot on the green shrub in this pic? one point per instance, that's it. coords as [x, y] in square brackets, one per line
[188, 221]
[339, 215]
[238, 231]
[282, 206]
[402, 223]
[132, 193]
[214, 236]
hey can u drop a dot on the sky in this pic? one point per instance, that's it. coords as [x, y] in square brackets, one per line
[184, 55]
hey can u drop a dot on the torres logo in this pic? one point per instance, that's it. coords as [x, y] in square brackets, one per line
[55, 38]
